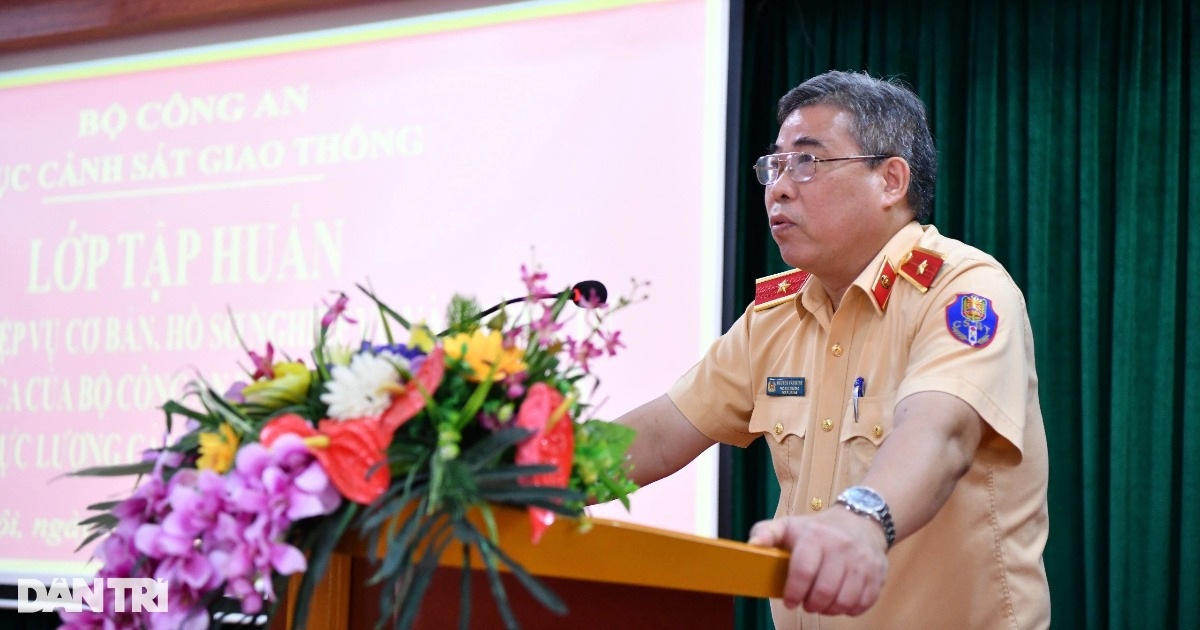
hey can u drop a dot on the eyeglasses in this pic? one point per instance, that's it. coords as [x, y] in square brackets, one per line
[802, 166]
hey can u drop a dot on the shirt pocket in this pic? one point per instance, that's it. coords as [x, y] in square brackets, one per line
[861, 439]
[783, 420]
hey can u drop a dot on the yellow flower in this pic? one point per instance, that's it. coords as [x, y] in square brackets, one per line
[421, 338]
[217, 450]
[484, 349]
[289, 387]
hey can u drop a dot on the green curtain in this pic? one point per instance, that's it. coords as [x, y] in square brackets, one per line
[1069, 147]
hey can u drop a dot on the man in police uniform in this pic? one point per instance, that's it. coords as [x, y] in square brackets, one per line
[892, 375]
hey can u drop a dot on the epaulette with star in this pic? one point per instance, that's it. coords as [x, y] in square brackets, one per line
[919, 266]
[776, 289]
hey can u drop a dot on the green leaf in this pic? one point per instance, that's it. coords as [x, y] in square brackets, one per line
[116, 470]
[489, 520]
[462, 315]
[173, 407]
[106, 520]
[464, 590]
[325, 539]
[400, 550]
[491, 447]
[526, 494]
[535, 587]
[384, 308]
[187, 443]
[97, 533]
[506, 476]
[415, 595]
[225, 411]
[468, 411]
[498, 593]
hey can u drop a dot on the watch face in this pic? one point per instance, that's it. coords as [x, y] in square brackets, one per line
[864, 498]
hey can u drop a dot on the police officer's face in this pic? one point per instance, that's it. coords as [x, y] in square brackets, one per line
[827, 225]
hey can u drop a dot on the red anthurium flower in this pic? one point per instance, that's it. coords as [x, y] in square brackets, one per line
[552, 443]
[356, 458]
[283, 425]
[408, 401]
[352, 452]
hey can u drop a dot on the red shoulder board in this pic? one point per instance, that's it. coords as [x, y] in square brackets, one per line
[779, 288]
[884, 281]
[920, 267]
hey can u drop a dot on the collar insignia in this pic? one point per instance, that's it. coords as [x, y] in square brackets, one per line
[884, 281]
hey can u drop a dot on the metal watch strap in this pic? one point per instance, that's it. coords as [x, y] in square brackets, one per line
[883, 515]
[889, 528]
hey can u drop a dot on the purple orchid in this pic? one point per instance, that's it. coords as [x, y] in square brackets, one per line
[514, 385]
[234, 393]
[263, 365]
[533, 281]
[611, 341]
[337, 311]
[545, 327]
[200, 530]
[582, 351]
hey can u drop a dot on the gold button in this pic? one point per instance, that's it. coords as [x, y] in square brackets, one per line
[827, 425]
[837, 350]
[778, 429]
[885, 281]
[816, 504]
[878, 431]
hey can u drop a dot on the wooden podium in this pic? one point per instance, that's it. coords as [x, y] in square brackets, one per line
[613, 575]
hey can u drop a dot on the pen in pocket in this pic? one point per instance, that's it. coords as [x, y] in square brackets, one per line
[860, 390]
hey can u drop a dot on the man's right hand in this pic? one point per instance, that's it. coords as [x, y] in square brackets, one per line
[838, 564]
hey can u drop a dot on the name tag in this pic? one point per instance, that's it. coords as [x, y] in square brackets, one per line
[785, 385]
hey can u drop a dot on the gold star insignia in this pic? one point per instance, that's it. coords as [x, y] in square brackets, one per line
[783, 286]
[921, 267]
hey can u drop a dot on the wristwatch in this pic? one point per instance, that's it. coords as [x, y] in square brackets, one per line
[865, 501]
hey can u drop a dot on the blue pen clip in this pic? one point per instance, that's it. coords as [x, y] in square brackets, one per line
[860, 390]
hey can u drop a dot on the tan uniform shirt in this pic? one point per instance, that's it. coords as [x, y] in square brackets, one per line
[978, 563]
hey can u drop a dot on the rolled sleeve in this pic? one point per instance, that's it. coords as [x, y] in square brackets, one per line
[715, 395]
[996, 378]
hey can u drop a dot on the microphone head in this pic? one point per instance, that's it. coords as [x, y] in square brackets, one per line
[589, 293]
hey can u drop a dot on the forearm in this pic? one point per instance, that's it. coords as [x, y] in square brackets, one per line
[931, 447]
[665, 440]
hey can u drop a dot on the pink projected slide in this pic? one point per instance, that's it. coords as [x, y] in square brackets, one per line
[142, 210]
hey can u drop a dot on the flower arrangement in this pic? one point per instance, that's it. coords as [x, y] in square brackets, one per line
[397, 440]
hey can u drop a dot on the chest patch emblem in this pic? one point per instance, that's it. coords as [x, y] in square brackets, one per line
[971, 319]
[785, 385]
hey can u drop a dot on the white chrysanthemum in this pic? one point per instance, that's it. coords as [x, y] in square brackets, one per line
[360, 389]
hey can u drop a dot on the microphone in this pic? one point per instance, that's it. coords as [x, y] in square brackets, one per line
[584, 294]
[589, 293]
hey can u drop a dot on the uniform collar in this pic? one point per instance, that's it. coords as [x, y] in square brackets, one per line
[879, 278]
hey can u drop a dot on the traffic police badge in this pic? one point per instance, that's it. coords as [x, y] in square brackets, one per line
[972, 320]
